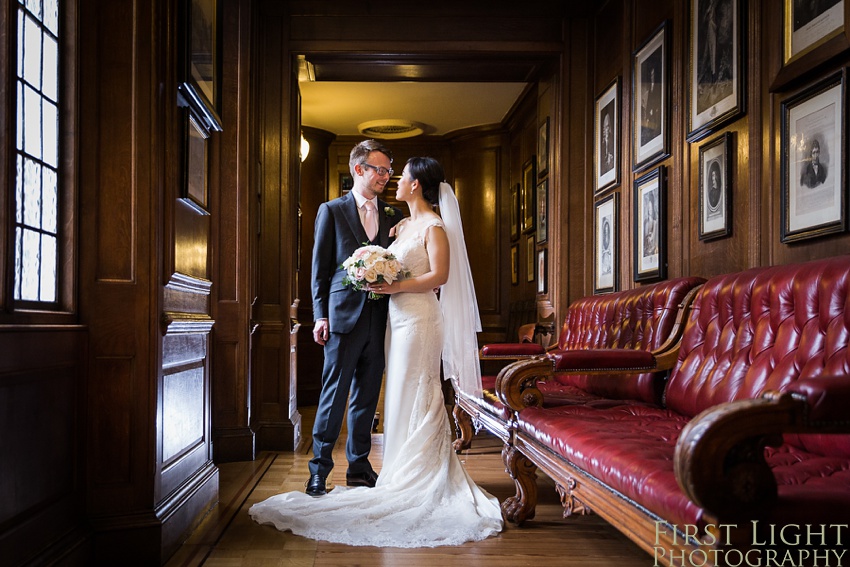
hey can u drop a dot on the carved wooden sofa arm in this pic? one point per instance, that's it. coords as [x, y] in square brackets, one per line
[720, 460]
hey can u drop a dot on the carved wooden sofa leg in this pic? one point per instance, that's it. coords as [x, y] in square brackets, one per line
[572, 505]
[522, 506]
[463, 425]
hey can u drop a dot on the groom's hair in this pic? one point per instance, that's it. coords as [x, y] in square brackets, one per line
[430, 174]
[361, 151]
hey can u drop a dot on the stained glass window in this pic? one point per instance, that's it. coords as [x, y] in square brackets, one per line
[37, 152]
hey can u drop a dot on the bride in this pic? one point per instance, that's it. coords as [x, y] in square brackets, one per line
[424, 497]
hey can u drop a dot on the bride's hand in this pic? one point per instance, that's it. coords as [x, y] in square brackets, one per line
[384, 288]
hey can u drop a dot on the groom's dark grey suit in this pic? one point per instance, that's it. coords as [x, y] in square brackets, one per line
[354, 351]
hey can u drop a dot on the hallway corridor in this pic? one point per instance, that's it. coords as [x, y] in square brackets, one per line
[229, 538]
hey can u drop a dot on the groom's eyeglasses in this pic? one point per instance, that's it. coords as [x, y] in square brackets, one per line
[379, 170]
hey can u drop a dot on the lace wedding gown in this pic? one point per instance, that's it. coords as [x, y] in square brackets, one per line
[424, 497]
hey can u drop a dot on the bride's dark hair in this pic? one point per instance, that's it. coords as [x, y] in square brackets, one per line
[430, 174]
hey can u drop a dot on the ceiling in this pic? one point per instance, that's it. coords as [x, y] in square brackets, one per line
[440, 93]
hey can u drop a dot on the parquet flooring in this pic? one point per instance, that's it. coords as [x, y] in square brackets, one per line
[229, 538]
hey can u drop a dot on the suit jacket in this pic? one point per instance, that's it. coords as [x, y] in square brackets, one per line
[811, 179]
[337, 235]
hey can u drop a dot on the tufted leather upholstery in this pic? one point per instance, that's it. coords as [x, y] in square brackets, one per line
[780, 328]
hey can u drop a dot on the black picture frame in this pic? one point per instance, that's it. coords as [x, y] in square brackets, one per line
[715, 187]
[651, 99]
[716, 66]
[649, 244]
[542, 272]
[515, 211]
[204, 50]
[195, 190]
[813, 195]
[542, 211]
[606, 138]
[605, 244]
[529, 181]
[543, 148]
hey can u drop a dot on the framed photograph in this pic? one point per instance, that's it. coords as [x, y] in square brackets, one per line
[529, 180]
[813, 158]
[605, 245]
[542, 211]
[716, 65]
[543, 148]
[808, 25]
[529, 258]
[514, 264]
[651, 99]
[715, 187]
[195, 187]
[606, 138]
[541, 271]
[515, 211]
[650, 254]
[346, 183]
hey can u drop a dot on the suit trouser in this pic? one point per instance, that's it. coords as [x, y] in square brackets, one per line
[353, 369]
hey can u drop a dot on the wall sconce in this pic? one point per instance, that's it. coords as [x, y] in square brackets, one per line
[305, 147]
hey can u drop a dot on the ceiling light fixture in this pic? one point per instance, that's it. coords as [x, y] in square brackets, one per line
[390, 129]
[305, 147]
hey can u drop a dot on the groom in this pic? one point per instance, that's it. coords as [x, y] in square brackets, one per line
[350, 327]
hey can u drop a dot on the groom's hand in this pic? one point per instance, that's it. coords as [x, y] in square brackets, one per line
[320, 331]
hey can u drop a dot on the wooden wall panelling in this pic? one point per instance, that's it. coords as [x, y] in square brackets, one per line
[233, 239]
[276, 423]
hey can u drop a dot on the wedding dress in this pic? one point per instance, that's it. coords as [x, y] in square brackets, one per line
[424, 497]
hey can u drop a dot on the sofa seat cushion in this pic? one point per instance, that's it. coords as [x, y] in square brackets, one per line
[556, 394]
[629, 448]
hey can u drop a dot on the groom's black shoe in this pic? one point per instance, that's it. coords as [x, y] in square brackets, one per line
[367, 478]
[316, 485]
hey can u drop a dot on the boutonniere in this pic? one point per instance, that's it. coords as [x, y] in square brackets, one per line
[389, 211]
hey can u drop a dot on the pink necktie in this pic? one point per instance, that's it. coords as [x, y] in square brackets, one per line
[370, 220]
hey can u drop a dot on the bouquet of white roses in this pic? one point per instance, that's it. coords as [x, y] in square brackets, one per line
[370, 265]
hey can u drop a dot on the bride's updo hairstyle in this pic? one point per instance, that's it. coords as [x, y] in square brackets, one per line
[430, 174]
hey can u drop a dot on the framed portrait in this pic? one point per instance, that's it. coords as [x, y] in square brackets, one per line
[195, 186]
[813, 158]
[200, 90]
[543, 148]
[808, 25]
[651, 99]
[346, 183]
[649, 245]
[529, 180]
[605, 245]
[541, 271]
[542, 211]
[606, 138]
[514, 264]
[515, 211]
[715, 187]
[529, 258]
[716, 92]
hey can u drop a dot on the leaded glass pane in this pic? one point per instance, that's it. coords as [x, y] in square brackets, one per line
[51, 16]
[32, 194]
[32, 122]
[50, 68]
[50, 136]
[48, 268]
[32, 53]
[18, 259]
[19, 190]
[29, 276]
[20, 51]
[34, 6]
[20, 112]
[50, 204]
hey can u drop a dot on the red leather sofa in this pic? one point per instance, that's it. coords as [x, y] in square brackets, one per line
[645, 319]
[753, 435]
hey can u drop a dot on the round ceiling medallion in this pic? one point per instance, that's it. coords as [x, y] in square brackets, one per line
[390, 128]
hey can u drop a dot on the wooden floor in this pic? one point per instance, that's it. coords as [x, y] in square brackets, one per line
[229, 538]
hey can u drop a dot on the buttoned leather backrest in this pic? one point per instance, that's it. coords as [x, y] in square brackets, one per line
[640, 318]
[760, 330]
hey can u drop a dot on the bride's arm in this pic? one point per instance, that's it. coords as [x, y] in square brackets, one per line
[437, 245]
